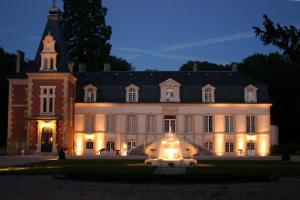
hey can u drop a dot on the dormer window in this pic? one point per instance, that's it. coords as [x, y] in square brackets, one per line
[169, 95]
[48, 54]
[90, 93]
[208, 94]
[132, 93]
[250, 94]
[170, 91]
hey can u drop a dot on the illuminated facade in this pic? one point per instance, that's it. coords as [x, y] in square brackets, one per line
[112, 113]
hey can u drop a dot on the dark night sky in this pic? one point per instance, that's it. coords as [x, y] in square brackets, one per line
[161, 34]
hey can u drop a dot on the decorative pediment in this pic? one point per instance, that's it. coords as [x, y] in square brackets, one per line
[170, 82]
[208, 86]
[132, 86]
[90, 86]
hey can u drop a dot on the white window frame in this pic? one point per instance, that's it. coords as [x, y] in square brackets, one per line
[89, 123]
[229, 147]
[250, 94]
[47, 96]
[188, 124]
[208, 123]
[209, 145]
[170, 93]
[110, 145]
[131, 144]
[250, 124]
[110, 123]
[131, 124]
[229, 124]
[89, 145]
[132, 94]
[208, 96]
[250, 146]
[88, 97]
[150, 123]
[169, 121]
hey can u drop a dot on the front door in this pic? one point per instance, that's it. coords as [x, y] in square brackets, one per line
[47, 140]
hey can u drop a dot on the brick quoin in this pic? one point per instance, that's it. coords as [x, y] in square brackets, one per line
[19, 94]
[18, 122]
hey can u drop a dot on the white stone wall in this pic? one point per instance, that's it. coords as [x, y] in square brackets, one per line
[239, 111]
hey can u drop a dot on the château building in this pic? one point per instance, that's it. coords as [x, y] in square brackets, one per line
[117, 112]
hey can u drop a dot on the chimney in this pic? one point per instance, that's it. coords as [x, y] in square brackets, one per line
[82, 67]
[234, 67]
[195, 67]
[71, 66]
[20, 61]
[107, 67]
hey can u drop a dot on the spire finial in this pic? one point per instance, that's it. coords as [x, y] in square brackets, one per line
[53, 3]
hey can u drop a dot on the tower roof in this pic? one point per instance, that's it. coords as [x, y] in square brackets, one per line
[54, 28]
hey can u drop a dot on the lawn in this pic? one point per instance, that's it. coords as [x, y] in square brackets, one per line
[133, 171]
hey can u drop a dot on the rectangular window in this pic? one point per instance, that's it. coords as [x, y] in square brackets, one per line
[89, 145]
[47, 98]
[150, 124]
[131, 124]
[229, 147]
[170, 121]
[250, 146]
[188, 124]
[209, 145]
[228, 124]
[208, 124]
[110, 123]
[89, 123]
[250, 124]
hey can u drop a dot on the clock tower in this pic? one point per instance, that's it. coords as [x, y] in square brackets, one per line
[48, 54]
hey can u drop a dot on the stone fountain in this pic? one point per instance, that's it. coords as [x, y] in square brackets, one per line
[170, 151]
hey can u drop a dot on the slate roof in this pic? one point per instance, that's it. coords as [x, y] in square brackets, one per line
[53, 26]
[111, 85]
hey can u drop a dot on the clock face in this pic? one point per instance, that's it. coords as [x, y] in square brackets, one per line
[49, 47]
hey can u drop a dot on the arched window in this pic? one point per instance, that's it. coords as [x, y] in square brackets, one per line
[130, 145]
[208, 94]
[90, 93]
[250, 94]
[170, 94]
[132, 95]
[51, 63]
[110, 146]
[45, 63]
[89, 145]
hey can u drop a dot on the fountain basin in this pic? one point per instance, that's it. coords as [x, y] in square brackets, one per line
[171, 163]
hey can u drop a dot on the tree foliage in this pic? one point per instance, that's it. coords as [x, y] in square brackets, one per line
[7, 67]
[119, 64]
[203, 66]
[287, 38]
[86, 32]
[281, 76]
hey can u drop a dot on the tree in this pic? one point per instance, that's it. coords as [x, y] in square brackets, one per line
[7, 67]
[87, 33]
[203, 66]
[281, 76]
[287, 38]
[119, 64]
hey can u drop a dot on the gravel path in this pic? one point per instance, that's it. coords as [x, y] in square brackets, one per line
[46, 188]
[23, 160]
